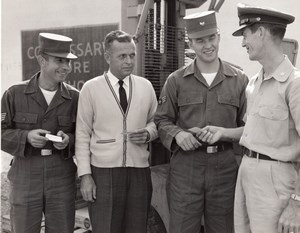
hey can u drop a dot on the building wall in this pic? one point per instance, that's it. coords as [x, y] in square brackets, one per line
[18, 15]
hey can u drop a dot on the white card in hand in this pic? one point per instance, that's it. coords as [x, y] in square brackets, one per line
[53, 138]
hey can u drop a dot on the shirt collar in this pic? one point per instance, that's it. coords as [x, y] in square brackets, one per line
[282, 72]
[114, 80]
[226, 70]
[33, 87]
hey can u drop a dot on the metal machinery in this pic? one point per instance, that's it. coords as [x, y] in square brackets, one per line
[161, 49]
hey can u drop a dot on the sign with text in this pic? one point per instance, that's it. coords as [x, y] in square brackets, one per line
[87, 45]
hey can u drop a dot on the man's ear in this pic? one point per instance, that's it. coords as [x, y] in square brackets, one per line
[41, 60]
[261, 31]
[107, 57]
[190, 44]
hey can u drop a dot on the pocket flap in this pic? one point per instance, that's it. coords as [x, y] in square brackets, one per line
[26, 118]
[196, 98]
[273, 113]
[106, 141]
[228, 99]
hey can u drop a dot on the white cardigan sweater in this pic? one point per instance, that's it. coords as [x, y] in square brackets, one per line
[100, 123]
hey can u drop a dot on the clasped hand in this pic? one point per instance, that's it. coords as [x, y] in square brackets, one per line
[196, 137]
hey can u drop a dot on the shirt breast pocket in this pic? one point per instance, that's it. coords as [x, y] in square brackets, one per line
[228, 106]
[190, 107]
[66, 123]
[276, 124]
[24, 120]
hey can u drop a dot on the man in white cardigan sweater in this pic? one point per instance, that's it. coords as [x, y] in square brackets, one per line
[111, 143]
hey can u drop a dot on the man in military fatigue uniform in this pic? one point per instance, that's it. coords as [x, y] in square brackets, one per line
[208, 91]
[42, 174]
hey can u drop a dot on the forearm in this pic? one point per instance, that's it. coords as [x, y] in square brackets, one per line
[297, 186]
[167, 135]
[151, 128]
[13, 141]
[232, 134]
[82, 148]
[69, 151]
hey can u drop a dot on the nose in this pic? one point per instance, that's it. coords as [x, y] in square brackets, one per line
[128, 59]
[207, 44]
[243, 42]
[67, 65]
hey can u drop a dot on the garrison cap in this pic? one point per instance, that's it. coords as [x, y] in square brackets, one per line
[249, 15]
[56, 45]
[201, 24]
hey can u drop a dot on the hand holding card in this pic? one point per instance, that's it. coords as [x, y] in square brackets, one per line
[53, 138]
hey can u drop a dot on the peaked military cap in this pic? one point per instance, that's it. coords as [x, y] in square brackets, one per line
[249, 15]
[56, 45]
[201, 24]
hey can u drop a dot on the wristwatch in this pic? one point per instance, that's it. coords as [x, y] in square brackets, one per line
[295, 197]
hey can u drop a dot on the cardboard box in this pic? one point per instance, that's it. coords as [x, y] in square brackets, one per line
[82, 219]
[80, 230]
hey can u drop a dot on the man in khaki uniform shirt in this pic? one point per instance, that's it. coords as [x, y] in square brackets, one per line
[267, 197]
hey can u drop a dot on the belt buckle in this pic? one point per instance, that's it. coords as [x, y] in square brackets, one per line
[212, 149]
[252, 154]
[46, 152]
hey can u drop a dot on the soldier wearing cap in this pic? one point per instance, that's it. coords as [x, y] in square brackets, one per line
[209, 91]
[267, 195]
[42, 173]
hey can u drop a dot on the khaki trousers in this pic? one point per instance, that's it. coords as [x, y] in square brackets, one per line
[262, 192]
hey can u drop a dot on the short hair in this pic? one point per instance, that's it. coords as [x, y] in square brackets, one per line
[44, 55]
[117, 35]
[275, 30]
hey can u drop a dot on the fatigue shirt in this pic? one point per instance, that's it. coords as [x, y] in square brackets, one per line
[24, 108]
[187, 101]
[273, 113]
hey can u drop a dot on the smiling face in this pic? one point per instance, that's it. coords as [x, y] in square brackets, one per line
[206, 48]
[54, 69]
[121, 58]
[252, 41]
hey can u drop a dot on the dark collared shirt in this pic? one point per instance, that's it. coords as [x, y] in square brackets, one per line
[24, 108]
[187, 101]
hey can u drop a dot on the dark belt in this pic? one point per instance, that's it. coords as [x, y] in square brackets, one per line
[254, 154]
[211, 149]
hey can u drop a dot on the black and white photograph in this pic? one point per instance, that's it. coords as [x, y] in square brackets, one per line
[150, 116]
